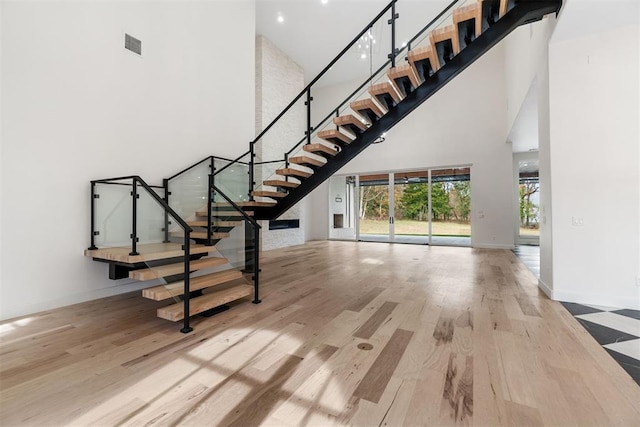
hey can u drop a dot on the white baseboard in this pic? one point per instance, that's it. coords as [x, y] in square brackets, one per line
[546, 289]
[492, 246]
[604, 300]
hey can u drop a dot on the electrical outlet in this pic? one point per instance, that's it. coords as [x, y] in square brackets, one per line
[577, 221]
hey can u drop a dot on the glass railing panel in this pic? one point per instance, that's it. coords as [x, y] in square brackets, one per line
[151, 217]
[232, 177]
[112, 214]
[283, 134]
[232, 247]
[188, 191]
[363, 64]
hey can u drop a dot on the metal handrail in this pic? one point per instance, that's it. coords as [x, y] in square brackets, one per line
[324, 71]
[237, 160]
[256, 240]
[137, 180]
[370, 78]
[157, 198]
[237, 208]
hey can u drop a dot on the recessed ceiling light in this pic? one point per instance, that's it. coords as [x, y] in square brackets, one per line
[324, 1]
[280, 19]
[363, 56]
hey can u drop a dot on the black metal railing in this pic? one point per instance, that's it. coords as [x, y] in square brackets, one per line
[214, 177]
[252, 241]
[306, 93]
[135, 183]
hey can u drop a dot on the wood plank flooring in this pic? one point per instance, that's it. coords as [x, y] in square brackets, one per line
[363, 334]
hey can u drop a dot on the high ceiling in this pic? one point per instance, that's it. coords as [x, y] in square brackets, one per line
[313, 33]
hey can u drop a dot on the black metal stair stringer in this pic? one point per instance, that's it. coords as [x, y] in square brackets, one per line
[523, 13]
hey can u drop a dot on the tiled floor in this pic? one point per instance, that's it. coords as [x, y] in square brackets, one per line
[617, 330]
[530, 256]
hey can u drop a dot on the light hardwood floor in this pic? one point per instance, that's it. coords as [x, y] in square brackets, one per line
[347, 334]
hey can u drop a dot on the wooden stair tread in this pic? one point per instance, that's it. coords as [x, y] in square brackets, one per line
[205, 302]
[367, 104]
[177, 268]
[467, 13]
[334, 135]
[503, 7]
[147, 252]
[250, 204]
[272, 194]
[200, 235]
[320, 148]
[450, 32]
[280, 183]
[204, 223]
[306, 160]
[350, 119]
[162, 292]
[293, 172]
[385, 88]
[423, 53]
[223, 214]
[404, 71]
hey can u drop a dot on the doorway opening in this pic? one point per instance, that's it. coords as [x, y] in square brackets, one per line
[528, 202]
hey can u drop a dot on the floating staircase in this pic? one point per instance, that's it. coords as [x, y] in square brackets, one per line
[444, 50]
[473, 29]
[165, 262]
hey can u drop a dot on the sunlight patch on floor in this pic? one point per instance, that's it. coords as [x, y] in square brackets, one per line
[372, 261]
[8, 327]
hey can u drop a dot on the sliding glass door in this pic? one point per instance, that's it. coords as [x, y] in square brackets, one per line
[375, 208]
[430, 206]
[411, 221]
[450, 192]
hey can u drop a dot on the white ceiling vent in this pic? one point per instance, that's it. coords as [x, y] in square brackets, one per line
[132, 44]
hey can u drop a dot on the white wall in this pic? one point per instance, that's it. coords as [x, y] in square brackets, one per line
[546, 189]
[77, 106]
[1, 140]
[278, 81]
[526, 61]
[594, 112]
[525, 48]
[463, 124]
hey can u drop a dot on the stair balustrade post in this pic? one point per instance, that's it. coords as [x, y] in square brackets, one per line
[308, 105]
[165, 184]
[392, 22]
[93, 217]
[251, 171]
[256, 265]
[134, 224]
[210, 210]
[187, 286]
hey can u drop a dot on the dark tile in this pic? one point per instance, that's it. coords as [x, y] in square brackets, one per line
[605, 335]
[577, 309]
[629, 364]
[629, 313]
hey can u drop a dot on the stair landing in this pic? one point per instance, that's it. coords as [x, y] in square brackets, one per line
[147, 252]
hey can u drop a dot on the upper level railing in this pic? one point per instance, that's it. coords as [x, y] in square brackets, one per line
[284, 136]
[382, 44]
